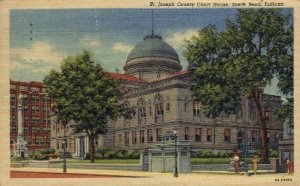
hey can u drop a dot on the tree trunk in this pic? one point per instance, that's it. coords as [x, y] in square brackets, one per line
[263, 128]
[92, 148]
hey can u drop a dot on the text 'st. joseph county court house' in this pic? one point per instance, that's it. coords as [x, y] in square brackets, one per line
[155, 84]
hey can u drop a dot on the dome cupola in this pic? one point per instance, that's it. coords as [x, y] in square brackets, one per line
[152, 59]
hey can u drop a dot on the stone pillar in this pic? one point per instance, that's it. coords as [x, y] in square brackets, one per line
[21, 150]
[20, 119]
[150, 161]
[179, 165]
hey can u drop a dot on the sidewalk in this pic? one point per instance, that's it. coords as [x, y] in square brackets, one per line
[165, 179]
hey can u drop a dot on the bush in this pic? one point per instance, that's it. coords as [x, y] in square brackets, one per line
[40, 155]
[101, 151]
[207, 154]
[273, 153]
[133, 155]
[110, 155]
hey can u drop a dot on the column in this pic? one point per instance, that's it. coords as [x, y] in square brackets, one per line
[20, 119]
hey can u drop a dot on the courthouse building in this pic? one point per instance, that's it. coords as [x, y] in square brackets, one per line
[155, 84]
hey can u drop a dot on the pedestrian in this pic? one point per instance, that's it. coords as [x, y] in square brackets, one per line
[236, 162]
[254, 164]
[290, 167]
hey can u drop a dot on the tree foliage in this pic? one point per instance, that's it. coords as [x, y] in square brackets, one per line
[240, 61]
[84, 94]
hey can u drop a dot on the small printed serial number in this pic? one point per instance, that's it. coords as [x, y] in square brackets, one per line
[284, 179]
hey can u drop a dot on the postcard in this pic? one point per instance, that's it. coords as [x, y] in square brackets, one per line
[149, 92]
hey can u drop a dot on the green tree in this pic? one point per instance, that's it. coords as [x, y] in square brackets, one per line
[239, 62]
[86, 95]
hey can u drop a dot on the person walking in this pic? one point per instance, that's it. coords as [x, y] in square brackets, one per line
[255, 164]
[290, 167]
[236, 161]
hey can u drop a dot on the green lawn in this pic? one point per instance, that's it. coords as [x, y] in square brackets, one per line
[209, 160]
[105, 161]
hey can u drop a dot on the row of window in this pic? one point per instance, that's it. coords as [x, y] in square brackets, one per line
[197, 107]
[33, 129]
[37, 141]
[26, 88]
[198, 135]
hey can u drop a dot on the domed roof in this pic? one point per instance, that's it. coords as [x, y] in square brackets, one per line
[153, 46]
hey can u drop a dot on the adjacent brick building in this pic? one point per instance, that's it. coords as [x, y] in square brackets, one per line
[35, 114]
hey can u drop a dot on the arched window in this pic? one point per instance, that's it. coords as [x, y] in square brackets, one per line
[141, 111]
[168, 106]
[159, 108]
[149, 107]
[196, 109]
[186, 104]
[126, 120]
[267, 113]
[252, 110]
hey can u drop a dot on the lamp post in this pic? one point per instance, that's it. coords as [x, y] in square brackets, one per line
[64, 157]
[176, 167]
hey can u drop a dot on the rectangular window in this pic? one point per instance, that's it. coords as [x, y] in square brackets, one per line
[186, 133]
[150, 110]
[159, 109]
[13, 97]
[227, 135]
[198, 134]
[167, 106]
[239, 112]
[126, 138]
[150, 135]
[142, 137]
[120, 138]
[226, 114]
[208, 135]
[134, 137]
[142, 112]
[24, 88]
[254, 136]
[158, 134]
[267, 114]
[276, 137]
[185, 106]
[35, 89]
[268, 137]
[13, 87]
[196, 108]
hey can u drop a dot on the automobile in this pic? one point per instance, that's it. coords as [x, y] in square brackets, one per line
[67, 155]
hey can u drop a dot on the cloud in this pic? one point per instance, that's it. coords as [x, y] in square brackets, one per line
[90, 42]
[177, 39]
[39, 57]
[122, 47]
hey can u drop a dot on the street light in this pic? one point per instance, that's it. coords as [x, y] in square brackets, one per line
[64, 157]
[176, 168]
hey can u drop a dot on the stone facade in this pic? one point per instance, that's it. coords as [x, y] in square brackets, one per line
[154, 84]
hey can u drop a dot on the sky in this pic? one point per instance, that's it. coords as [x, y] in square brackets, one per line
[41, 39]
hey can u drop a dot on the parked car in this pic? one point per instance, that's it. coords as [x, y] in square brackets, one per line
[67, 155]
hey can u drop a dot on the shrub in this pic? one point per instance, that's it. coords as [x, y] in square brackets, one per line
[273, 153]
[87, 156]
[110, 155]
[40, 155]
[194, 154]
[207, 154]
[133, 155]
[119, 155]
[101, 151]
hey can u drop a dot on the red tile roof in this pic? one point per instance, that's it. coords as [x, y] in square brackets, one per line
[125, 77]
[179, 73]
